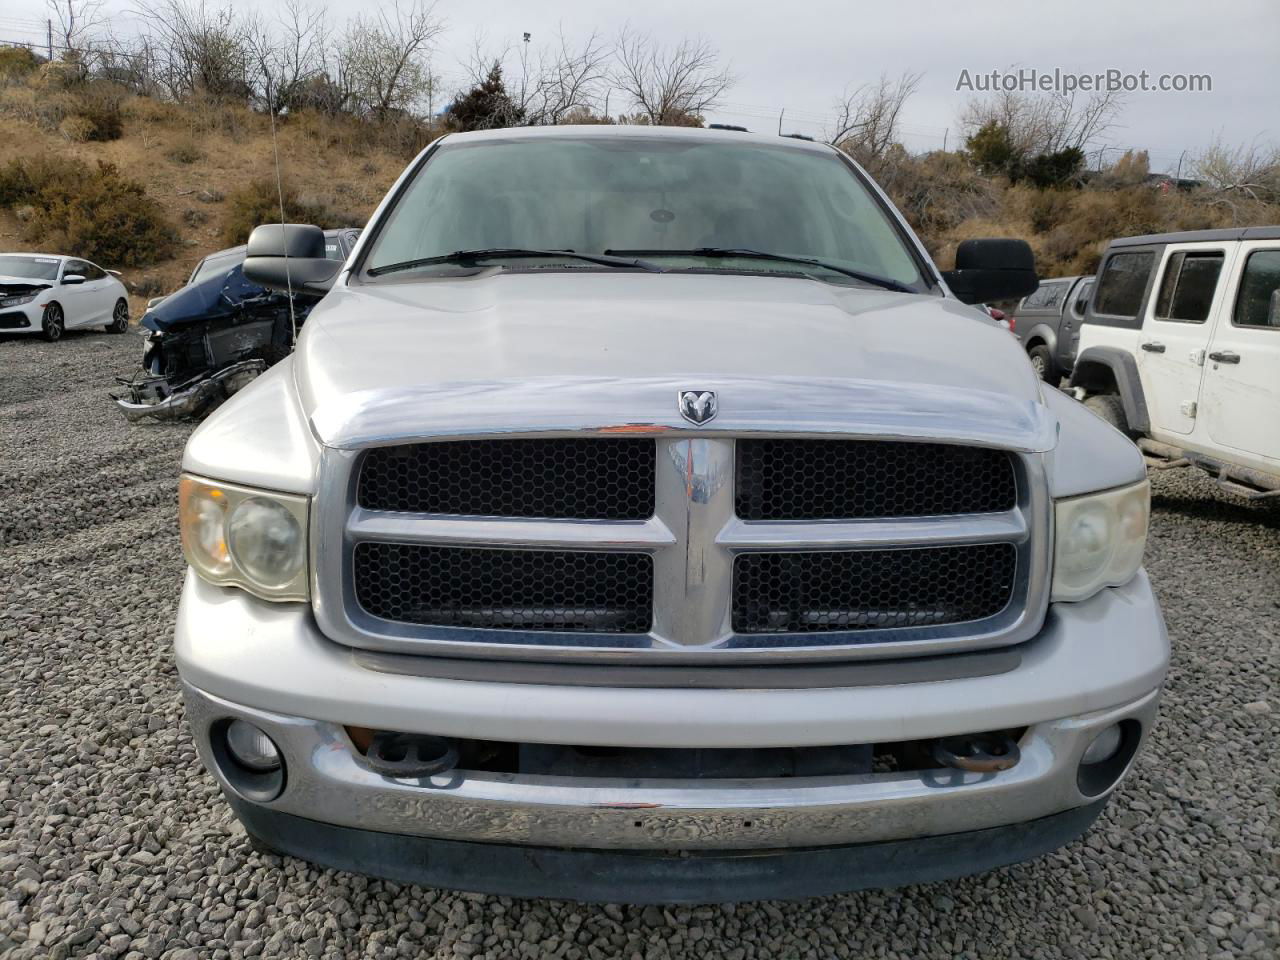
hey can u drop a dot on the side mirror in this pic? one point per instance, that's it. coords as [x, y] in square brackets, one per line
[290, 257]
[992, 270]
[71, 279]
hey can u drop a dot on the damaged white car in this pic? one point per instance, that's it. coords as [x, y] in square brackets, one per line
[49, 294]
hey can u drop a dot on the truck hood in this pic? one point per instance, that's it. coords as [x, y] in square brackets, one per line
[519, 351]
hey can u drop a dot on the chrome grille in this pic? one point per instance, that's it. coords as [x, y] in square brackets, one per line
[505, 589]
[589, 479]
[783, 479]
[871, 589]
[860, 573]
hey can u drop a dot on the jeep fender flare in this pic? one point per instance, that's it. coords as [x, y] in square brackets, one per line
[1097, 368]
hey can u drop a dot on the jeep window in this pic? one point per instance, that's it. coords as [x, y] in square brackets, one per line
[1122, 284]
[1258, 304]
[666, 197]
[1186, 292]
[29, 268]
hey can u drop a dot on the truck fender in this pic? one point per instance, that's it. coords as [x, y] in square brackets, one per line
[1041, 331]
[1107, 370]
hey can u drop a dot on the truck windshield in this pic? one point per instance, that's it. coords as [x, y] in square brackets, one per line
[29, 268]
[682, 204]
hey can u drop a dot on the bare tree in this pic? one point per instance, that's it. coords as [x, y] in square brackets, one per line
[867, 117]
[385, 59]
[1251, 171]
[288, 53]
[75, 24]
[669, 85]
[1044, 124]
[549, 83]
[197, 50]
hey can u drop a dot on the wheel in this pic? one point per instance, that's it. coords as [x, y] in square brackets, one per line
[1109, 407]
[119, 317]
[1042, 363]
[54, 323]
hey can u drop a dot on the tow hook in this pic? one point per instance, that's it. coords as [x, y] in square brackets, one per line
[977, 753]
[410, 755]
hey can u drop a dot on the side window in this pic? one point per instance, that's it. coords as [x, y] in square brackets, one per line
[78, 267]
[1123, 281]
[1056, 292]
[1043, 296]
[333, 249]
[1186, 290]
[1258, 304]
[93, 273]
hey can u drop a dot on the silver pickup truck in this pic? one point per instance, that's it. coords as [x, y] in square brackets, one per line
[644, 517]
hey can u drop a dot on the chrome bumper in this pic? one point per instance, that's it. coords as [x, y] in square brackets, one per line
[326, 781]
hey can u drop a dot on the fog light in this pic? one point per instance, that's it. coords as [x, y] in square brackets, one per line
[251, 747]
[1104, 745]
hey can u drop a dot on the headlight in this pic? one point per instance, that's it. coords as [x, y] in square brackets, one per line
[1099, 540]
[18, 301]
[242, 537]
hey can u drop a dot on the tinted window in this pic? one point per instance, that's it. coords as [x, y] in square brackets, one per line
[665, 196]
[1122, 284]
[77, 267]
[93, 273]
[1259, 302]
[1186, 290]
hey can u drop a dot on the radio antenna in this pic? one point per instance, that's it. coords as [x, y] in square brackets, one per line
[288, 276]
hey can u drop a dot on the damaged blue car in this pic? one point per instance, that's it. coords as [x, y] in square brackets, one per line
[213, 336]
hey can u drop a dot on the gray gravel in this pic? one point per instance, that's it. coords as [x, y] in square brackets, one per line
[114, 842]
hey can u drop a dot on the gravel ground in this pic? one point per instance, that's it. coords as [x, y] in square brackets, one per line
[114, 842]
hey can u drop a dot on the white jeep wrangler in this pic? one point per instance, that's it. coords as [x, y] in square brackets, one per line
[644, 517]
[1180, 349]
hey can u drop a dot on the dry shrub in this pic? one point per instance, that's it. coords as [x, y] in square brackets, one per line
[92, 212]
[184, 150]
[258, 202]
[77, 129]
[17, 64]
[101, 104]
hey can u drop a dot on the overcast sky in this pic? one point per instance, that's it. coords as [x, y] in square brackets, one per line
[800, 56]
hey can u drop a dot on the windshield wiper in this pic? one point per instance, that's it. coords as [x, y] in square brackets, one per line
[467, 258]
[748, 254]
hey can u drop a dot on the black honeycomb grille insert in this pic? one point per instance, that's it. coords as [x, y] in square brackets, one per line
[860, 479]
[546, 590]
[871, 589]
[603, 478]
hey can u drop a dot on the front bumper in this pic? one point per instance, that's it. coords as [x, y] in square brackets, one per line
[1093, 664]
[661, 877]
[27, 318]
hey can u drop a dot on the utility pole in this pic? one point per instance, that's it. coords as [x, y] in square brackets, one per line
[48, 26]
[945, 134]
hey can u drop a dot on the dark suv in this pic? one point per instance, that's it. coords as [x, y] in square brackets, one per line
[1048, 324]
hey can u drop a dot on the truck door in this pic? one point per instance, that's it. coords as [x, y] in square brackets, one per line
[1176, 331]
[1241, 393]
